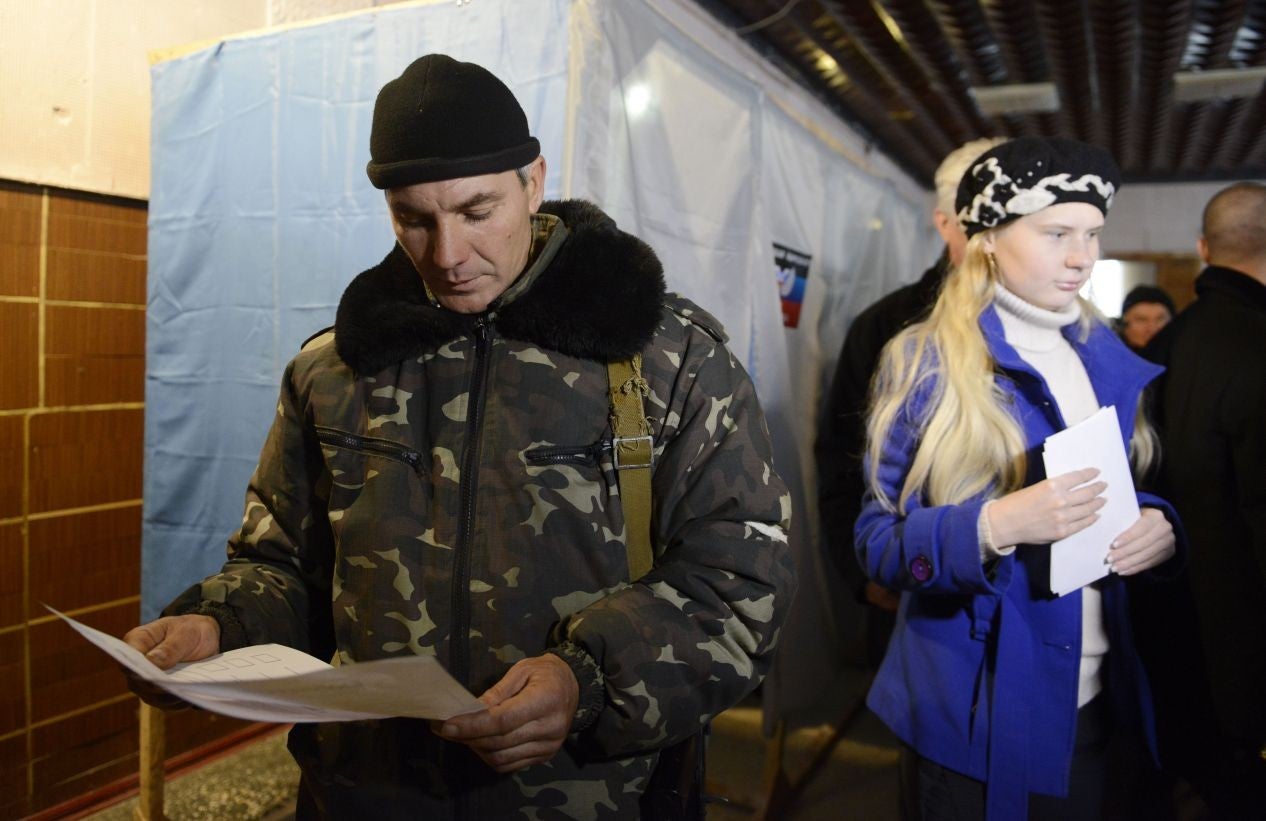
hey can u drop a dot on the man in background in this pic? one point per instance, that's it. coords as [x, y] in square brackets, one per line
[842, 434]
[1209, 669]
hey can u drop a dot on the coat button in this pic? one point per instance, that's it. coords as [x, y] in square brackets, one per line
[921, 568]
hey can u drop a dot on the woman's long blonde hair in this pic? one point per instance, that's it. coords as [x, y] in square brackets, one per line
[969, 444]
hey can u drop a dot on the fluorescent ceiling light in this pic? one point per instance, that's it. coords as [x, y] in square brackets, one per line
[1192, 86]
[1018, 98]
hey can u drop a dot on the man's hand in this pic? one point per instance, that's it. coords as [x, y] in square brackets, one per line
[167, 641]
[529, 713]
[1147, 543]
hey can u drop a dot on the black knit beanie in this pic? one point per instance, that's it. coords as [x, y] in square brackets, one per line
[442, 119]
[1147, 293]
[1025, 175]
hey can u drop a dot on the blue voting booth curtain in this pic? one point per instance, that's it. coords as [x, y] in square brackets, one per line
[261, 213]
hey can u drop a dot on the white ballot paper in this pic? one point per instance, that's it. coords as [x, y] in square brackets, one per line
[269, 682]
[1094, 442]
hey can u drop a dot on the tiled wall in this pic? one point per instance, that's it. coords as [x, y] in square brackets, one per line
[72, 348]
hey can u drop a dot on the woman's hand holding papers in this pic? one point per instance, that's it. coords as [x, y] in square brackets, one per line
[1048, 511]
[1145, 544]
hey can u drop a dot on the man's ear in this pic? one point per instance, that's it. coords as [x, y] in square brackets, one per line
[1202, 248]
[536, 184]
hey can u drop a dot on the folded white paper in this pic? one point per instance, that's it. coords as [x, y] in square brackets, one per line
[1095, 442]
[269, 682]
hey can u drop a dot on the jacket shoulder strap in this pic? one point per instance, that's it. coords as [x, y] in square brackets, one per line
[633, 451]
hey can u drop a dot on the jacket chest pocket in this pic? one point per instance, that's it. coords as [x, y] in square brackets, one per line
[355, 461]
[564, 501]
[589, 469]
[585, 455]
[369, 446]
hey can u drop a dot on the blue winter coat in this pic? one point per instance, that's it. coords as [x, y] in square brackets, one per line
[981, 674]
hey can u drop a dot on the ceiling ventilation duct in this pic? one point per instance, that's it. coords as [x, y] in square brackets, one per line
[1017, 98]
[1216, 84]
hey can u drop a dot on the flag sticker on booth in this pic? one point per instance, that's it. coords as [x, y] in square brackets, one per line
[792, 269]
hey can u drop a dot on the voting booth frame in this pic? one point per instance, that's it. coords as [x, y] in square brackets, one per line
[260, 213]
[152, 772]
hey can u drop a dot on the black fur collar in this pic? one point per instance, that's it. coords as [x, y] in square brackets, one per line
[600, 298]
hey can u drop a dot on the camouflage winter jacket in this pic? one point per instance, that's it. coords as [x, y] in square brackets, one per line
[438, 483]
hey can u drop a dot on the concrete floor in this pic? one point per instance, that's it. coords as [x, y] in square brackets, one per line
[258, 782]
[859, 780]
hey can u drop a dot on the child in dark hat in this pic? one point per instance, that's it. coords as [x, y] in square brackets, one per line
[1144, 312]
[997, 684]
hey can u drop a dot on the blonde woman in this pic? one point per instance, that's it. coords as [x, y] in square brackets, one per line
[1004, 692]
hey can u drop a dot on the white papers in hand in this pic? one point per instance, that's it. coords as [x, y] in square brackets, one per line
[269, 682]
[1092, 443]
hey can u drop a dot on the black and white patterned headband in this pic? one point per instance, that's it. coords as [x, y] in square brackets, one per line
[1025, 175]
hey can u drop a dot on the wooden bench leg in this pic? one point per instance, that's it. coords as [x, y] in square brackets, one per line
[781, 791]
[149, 805]
[776, 784]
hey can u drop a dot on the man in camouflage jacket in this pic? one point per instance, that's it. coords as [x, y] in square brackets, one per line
[439, 480]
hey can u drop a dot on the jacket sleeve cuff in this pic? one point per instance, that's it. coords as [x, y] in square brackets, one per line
[232, 633]
[989, 550]
[593, 692]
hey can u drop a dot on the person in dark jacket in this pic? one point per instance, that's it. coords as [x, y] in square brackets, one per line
[1211, 412]
[441, 479]
[841, 435]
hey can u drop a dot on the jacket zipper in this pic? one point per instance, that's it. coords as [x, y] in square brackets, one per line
[459, 657]
[564, 455]
[375, 447]
[459, 653]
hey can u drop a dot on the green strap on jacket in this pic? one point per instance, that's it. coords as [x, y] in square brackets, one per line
[676, 786]
[632, 450]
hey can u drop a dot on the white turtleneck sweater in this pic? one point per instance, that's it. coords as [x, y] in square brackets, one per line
[1035, 334]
